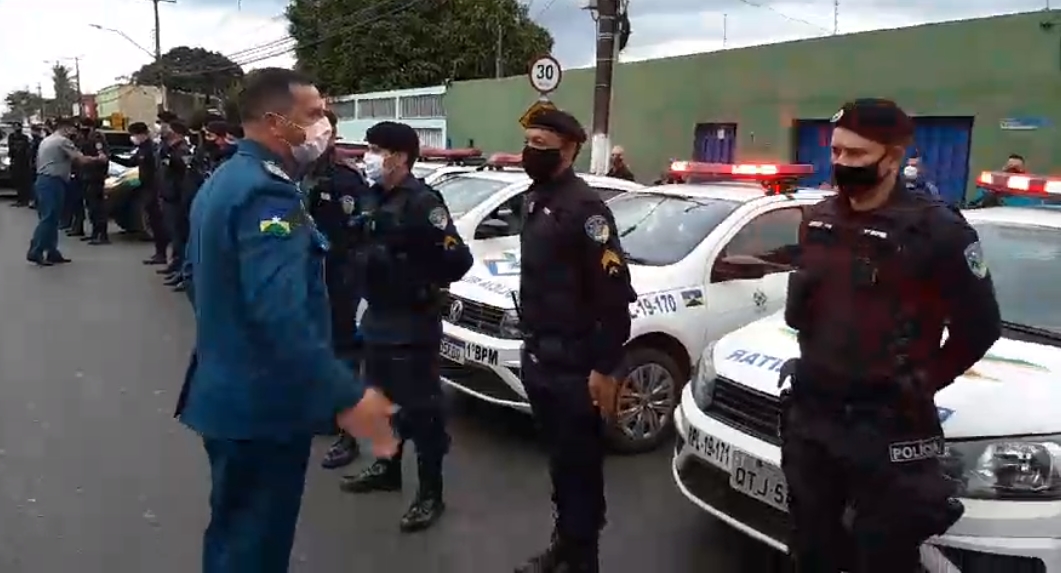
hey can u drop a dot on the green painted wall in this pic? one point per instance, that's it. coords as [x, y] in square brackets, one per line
[990, 69]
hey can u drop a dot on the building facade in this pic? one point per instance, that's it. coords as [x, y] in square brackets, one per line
[423, 109]
[980, 90]
[133, 102]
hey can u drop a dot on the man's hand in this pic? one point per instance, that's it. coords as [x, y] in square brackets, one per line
[371, 419]
[603, 390]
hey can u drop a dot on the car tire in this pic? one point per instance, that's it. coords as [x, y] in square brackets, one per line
[642, 361]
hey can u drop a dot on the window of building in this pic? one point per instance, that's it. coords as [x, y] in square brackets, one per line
[379, 108]
[423, 106]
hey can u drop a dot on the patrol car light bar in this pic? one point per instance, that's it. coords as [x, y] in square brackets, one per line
[428, 153]
[505, 160]
[1019, 183]
[741, 170]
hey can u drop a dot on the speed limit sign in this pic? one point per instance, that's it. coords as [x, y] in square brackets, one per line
[545, 74]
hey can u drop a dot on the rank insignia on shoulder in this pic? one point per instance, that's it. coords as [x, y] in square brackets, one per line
[450, 242]
[438, 218]
[275, 227]
[275, 170]
[597, 228]
[611, 262]
[837, 116]
[348, 204]
[974, 257]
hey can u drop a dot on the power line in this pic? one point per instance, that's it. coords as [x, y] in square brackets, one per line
[280, 50]
[544, 9]
[785, 16]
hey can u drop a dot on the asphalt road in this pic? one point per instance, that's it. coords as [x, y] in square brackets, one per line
[96, 476]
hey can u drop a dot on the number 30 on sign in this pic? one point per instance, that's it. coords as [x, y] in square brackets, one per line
[545, 74]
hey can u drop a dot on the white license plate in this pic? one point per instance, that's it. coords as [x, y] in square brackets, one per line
[452, 349]
[759, 480]
[710, 448]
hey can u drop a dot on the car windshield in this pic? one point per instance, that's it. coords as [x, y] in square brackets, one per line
[114, 170]
[462, 194]
[659, 230]
[1023, 260]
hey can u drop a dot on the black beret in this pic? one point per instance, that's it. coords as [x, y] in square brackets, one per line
[138, 128]
[218, 128]
[560, 122]
[394, 136]
[167, 116]
[178, 127]
[879, 120]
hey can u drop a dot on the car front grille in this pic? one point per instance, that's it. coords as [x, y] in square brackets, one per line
[747, 410]
[474, 316]
[480, 379]
[968, 561]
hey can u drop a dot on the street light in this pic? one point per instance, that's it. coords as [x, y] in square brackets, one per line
[127, 39]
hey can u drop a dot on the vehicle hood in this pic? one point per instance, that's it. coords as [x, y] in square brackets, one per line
[494, 275]
[1013, 390]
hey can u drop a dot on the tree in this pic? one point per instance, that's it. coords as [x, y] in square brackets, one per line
[23, 103]
[192, 70]
[357, 46]
[65, 90]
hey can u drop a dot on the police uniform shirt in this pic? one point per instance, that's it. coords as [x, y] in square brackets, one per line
[574, 280]
[335, 193]
[883, 283]
[92, 145]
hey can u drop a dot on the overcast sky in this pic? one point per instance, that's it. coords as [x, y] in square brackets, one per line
[36, 33]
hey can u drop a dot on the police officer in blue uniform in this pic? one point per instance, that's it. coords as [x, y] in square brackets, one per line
[20, 150]
[412, 253]
[574, 311]
[335, 189]
[883, 269]
[263, 378]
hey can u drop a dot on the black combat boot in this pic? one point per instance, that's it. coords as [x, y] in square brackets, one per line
[563, 557]
[428, 506]
[342, 453]
[382, 475]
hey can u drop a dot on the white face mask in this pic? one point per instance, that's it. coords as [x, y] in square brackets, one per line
[373, 166]
[318, 136]
[910, 172]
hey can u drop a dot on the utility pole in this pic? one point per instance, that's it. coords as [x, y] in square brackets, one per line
[725, 30]
[77, 86]
[600, 145]
[499, 58]
[836, 17]
[158, 51]
[40, 101]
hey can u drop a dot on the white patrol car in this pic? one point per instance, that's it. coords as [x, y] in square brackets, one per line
[705, 259]
[1001, 420]
[436, 165]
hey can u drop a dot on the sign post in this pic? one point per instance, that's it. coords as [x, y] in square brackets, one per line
[544, 75]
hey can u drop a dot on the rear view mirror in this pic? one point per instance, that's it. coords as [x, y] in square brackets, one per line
[739, 267]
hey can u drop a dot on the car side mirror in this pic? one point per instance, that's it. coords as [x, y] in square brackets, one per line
[739, 267]
[504, 212]
[492, 228]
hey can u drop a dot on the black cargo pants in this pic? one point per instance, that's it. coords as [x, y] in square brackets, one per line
[573, 432]
[870, 460]
[97, 209]
[409, 376]
[343, 300]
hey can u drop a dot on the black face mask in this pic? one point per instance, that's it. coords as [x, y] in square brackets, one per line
[855, 181]
[541, 164]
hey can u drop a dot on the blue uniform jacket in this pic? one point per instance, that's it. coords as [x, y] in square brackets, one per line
[412, 250]
[263, 367]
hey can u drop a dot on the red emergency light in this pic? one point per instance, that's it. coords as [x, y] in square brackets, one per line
[1019, 183]
[505, 160]
[439, 154]
[755, 171]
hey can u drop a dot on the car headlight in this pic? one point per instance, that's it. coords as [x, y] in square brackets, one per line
[510, 325]
[5, 161]
[1006, 468]
[703, 377]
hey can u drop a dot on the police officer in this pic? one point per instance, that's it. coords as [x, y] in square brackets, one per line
[175, 163]
[915, 177]
[20, 153]
[574, 308]
[883, 269]
[73, 216]
[263, 378]
[412, 253]
[92, 177]
[145, 159]
[335, 187]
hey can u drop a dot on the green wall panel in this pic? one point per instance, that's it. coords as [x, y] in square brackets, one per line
[990, 69]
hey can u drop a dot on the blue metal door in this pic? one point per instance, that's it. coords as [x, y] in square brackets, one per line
[715, 142]
[812, 147]
[943, 143]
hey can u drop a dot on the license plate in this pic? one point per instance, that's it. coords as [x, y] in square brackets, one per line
[710, 448]
[452, 349]
[759, 480]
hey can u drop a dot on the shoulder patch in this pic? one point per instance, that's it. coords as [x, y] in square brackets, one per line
[597, 228]
[275, 170]
[348, 204]
[275, 227]
[837, 116]
[974, 257]
[99, 146]
[610, 262]
[439, 218]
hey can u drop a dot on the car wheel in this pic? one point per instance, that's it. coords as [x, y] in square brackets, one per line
[650, 383]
